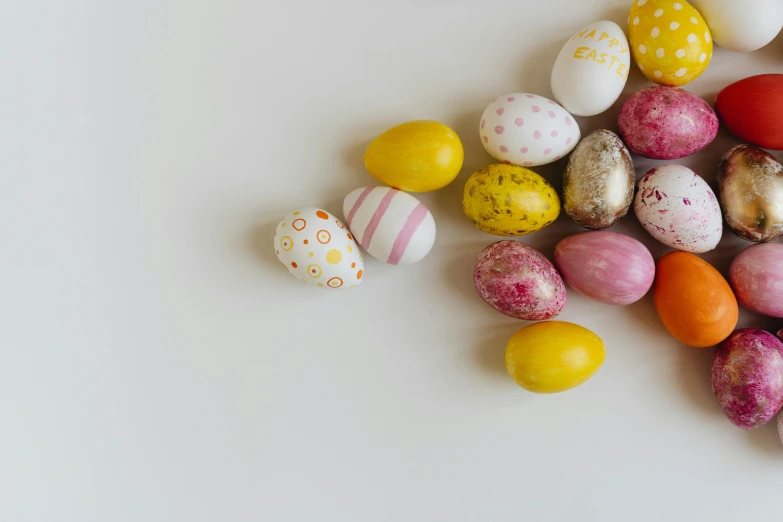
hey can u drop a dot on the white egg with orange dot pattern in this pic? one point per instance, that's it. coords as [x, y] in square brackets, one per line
[318, 249]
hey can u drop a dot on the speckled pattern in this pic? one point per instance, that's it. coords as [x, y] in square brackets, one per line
[606, 266]
[756, 275]
[519, 281]
[747, 377]
[677, 207]
[750, 189]
[599, 180]
[508, 200]
[666, 123]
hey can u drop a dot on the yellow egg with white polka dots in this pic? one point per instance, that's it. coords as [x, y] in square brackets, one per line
[318, 249]
[669, 40]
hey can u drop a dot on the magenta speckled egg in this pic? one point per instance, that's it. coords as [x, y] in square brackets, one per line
[747, 377]
[756, 275]
[666, 123]
[519, 281]
[606, 266]
[677, 207]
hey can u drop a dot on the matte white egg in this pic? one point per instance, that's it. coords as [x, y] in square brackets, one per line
[678, 208]
[318, 249]
[389, 224]
[591, 70]
[742, 25]
[527, 130]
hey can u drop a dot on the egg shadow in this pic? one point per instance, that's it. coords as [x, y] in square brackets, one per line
[459, 272]
[644, 313]
[694, 373]
[261, 245]
[353, 160]
[489, 352]
[766, 439]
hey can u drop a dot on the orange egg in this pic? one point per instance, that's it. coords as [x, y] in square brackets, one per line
[693, 300]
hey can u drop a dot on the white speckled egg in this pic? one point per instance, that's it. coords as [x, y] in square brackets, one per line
[318, 249]
[527, 130]
[391, 225]
[591, 69]
[677, 207]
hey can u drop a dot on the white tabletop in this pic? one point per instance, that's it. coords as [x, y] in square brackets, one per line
[160, 365]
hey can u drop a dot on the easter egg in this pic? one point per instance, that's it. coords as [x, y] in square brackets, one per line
[527, 129]
[416, 156]
[747, 377]
[780, 426]
[750, 190]
[752, 110]
[666, 123]
[693, 301]
[519, 281]
[591, 69]
[742, 25]
[677, 207]
[606, 266]
[508, 200]
[553, 356]
[318, 249]
[390, 225]
[598, 182]
[669, 40]
[756, 275]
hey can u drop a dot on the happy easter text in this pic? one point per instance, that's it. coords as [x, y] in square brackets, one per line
[588, 53]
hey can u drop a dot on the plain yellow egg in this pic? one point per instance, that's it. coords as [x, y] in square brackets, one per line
[553, 356]
[669, 41]
[416, 156]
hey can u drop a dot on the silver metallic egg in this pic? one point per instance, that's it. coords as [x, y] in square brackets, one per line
[599, 180]
[750, 190]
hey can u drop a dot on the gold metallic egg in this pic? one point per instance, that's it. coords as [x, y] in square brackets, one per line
[750, 189]
[599, 180]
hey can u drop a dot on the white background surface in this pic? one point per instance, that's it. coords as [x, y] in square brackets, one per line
[159, 364]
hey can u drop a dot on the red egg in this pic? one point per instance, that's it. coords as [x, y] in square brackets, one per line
[752, 109]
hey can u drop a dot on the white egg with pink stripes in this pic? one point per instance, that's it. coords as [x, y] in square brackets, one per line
[389, 224]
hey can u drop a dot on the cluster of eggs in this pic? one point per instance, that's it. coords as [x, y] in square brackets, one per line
[671, 43]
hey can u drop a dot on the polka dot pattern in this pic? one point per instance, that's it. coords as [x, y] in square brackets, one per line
[312, 244]
[530, 130]
[669, 41]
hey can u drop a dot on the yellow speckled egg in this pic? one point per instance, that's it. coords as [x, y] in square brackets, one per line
[508, 200]
[553, 356]
[669, 40]
[416, 156]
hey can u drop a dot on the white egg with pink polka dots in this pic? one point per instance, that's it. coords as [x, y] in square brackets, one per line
[527, 130]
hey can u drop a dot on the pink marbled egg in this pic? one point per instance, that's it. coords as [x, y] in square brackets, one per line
[747, 377]
[756, 275]
[606, 266]
[677, 207]
[665, 122]
[519, 281]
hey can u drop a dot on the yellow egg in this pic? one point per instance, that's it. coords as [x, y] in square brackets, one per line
[508, 200]
[416, 156]
[553, 356]
[669, 40]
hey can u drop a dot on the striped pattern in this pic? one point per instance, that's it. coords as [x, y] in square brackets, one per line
[391, 225]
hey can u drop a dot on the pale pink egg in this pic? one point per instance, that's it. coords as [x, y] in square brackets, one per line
[606, 266]
[756, 275]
